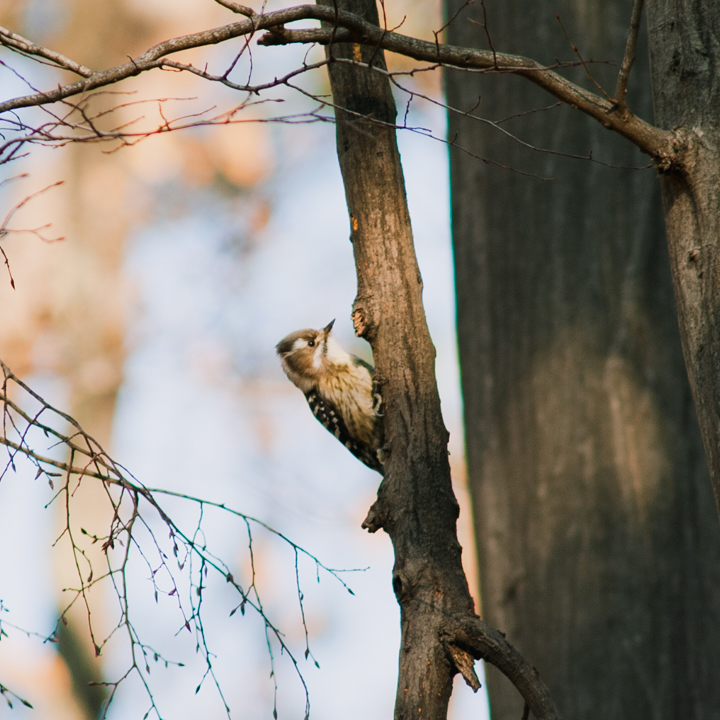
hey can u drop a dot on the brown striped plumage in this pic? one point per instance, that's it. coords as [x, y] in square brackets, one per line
[339, 389]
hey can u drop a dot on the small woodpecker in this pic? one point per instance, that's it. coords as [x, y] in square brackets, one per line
[339, 389]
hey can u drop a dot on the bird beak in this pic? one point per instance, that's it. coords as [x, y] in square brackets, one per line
[328, 327]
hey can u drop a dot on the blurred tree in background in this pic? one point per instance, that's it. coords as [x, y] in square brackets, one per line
[598, 537]
[69, 316]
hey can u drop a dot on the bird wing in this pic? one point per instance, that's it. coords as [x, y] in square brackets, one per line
[361, 363]
[328, 415]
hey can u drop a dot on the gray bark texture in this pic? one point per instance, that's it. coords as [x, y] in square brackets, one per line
[685, 60]
[598, 538]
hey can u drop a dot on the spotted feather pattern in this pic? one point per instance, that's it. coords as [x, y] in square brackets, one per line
[330, 418]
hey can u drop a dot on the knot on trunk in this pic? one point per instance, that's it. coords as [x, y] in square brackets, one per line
[360, 324]
[375, 519]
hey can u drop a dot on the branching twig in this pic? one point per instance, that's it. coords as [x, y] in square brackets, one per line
[9, 694]
[576, 50]
[132, 531]
[651, 140]
[4, 225]
[473, 636]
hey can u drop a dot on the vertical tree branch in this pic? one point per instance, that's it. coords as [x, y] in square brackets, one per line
[624, 72]
[415, 505]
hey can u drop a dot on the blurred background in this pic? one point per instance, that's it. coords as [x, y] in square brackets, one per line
[185, 258]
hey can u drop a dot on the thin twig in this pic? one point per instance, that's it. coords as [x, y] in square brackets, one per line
[624, 72]
[484, 26]
[5, 230]
[12, 279]
[133, 531]
[18, 42]
[237, 8]
[576, 50]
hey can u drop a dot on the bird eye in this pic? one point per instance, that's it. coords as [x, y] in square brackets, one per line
[311, 343]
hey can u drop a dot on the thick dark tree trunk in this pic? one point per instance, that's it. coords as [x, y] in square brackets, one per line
[685, 55]
[598, 539]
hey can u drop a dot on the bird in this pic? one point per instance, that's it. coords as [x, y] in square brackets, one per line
[339, 389]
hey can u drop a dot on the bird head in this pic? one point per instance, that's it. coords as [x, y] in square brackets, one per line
[304, 354]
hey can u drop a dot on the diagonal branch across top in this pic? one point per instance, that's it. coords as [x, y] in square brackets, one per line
[347, 27]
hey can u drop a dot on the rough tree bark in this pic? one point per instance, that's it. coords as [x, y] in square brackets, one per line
[598, 542]
[416, 505]
[685, 55]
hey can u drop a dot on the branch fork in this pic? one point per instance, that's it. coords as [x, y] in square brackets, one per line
[469, 638]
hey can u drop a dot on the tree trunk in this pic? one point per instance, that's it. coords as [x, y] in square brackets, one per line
[685, 52]
[415, 505]
[599, 545]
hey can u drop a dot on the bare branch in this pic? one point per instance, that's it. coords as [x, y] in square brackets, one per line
[5, 230]
[237, 8]
[483, 25]
[19, 43]
[496, 125]
[473, 636]
[149, 60]
[12, 279]
[254, 89]
[133, 532]
[655, 142]
[624, 73]
[79, 120]
[576, 50]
